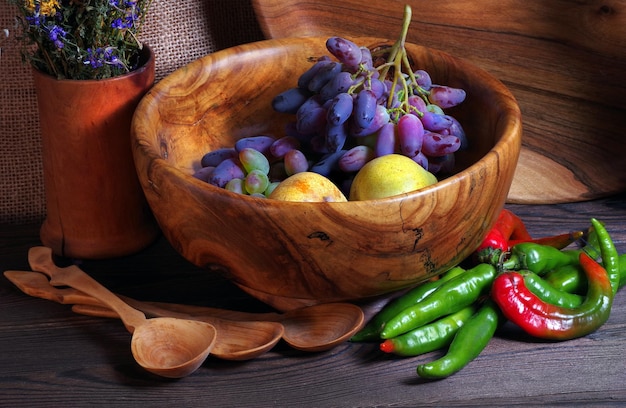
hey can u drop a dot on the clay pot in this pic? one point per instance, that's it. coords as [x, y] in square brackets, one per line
[95, 205]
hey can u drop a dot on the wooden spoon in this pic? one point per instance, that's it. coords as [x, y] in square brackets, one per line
[165, 346]
[314, 328]
[236, 340]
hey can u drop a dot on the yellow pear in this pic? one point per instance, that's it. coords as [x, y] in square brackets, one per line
[309, 187]
[389, 175]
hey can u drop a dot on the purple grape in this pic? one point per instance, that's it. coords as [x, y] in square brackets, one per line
[378, 88]
[204, 173]
[422, 160]
[336, 136]
[444, 164]
[226, 171]
[417, 103]
[446, 96]
[410, 135]
[311, 117]
[281, 146]
[261, 143]
[364, 108]
[291, 129]
[328, 163]
[290, 100]
[317, 144]
[380, 118]
[347, 52]
[423, 79]
[457, 130]
[435, 122]
[436, 144]
[366, 59]
[386, 140]
[303, 80]
[215, 157]
[325, 74]
[340, 109]
[338, 84]
[295, 162]
[355, 158]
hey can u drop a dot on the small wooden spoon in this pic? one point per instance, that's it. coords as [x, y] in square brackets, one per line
[165, 346]
[236, 340]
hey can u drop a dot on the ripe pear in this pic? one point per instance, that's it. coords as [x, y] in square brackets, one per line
[307, 187]
[389, 175]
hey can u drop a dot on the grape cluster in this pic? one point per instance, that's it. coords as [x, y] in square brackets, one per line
[348, 110]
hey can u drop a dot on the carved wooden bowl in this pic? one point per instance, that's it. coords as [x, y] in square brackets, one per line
[291, 254]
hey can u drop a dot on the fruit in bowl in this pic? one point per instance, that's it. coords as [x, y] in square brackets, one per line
[292, 254]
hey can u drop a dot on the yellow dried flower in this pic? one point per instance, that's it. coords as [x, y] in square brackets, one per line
[46, 7]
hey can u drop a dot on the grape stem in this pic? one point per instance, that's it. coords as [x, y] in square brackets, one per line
[397, 59]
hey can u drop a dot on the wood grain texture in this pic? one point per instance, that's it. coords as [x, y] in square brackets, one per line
[564, 60]
[52, 357]
[294, 254]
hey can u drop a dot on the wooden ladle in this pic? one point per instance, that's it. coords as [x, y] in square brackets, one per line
[166, 346]
[235, 341]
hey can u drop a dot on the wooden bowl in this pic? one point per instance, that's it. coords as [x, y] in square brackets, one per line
[565, 63]
[290, 254]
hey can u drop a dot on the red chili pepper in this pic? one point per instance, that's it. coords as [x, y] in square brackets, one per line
[557, 241]
[511, 226]
[544, 320]
[510, 230]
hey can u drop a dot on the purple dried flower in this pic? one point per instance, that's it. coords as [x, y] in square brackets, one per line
[56, 35]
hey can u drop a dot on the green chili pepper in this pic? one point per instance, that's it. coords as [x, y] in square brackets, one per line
[572, 278]
[610, 257]
[430, 337]
[539, 258]
[543, 320]
[469, 341]
[450, 297]
[549, 293]
[371, 331]
[568, 278]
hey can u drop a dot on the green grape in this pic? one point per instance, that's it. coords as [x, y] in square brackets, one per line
[256, 182]
[235, 185]
[271, 188]
[252, 159]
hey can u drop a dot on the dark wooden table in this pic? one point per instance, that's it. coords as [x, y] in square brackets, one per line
[51, 357]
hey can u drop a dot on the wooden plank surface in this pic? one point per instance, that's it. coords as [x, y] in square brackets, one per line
[50, 357]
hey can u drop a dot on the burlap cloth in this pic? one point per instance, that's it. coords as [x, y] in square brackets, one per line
[179, 32]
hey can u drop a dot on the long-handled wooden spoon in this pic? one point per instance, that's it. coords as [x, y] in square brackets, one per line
[165, 346]
[235, 341]
[314, 328]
